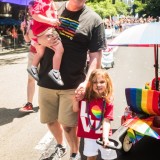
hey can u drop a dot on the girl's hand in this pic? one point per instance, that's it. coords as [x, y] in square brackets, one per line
[106, 142]
[51, 40]
[55, 22]
[80, 91]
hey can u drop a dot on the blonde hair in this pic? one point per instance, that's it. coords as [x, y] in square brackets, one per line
[108, 94]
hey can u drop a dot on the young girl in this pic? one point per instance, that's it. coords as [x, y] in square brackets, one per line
[95, 114]
[45, 20]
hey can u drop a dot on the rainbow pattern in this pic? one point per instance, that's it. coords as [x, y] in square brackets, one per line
[143, 100]
[68, 27]
[96, 111]
[148, 85]
[134, 136]
[138, 128]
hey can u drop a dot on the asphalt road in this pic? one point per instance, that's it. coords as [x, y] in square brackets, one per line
[22, 135]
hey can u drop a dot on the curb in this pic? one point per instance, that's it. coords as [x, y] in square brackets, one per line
[13, 51]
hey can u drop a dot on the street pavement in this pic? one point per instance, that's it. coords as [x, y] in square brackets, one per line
[15, 127]
[13, 80]
[29, 137]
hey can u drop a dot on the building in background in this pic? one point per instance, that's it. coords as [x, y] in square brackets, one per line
[5, 10]
[11, 10]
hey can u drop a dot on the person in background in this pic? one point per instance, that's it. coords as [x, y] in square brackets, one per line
[25, 28]
[81, 31]
[95, 115]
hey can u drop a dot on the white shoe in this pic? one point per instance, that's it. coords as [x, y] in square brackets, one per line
[77, 157]
[56, 77]
[33, 71]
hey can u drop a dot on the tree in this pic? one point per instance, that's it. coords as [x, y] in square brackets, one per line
[105, 8]
[138, 7]
[149, 8]
[152, 8]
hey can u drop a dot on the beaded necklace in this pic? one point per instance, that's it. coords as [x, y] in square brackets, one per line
[102, 115]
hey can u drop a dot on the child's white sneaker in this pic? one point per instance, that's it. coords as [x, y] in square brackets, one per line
[56, 77]
[33, 71]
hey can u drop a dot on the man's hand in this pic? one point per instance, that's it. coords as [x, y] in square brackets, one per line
[55, 22]
[80, 91]
[48, 40]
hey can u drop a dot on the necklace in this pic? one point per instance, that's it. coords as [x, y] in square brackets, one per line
[102, 115]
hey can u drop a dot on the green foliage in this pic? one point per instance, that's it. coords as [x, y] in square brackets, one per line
[139, 6]
[149, 8]
[105, 8]
[152, 8]
[122, 8]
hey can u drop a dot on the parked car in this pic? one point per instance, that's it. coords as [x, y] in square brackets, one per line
[107, 58]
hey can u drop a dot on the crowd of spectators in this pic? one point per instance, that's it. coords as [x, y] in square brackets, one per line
[120, 24]
[11, 36]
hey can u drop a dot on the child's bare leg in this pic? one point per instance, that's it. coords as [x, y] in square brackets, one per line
[33, 70]
[58, 56]
[58, 48]
[40, 52]
[54, 74]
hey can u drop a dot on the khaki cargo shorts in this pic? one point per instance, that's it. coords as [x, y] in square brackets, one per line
[45, 35]
[57, 105]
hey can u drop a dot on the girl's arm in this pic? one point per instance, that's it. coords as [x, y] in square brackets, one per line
[55, 9]
[106, 129]
[43, 19]
[94, 62]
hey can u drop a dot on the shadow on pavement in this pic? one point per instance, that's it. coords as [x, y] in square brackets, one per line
[7, 115]
[10, 61]
[14, 51]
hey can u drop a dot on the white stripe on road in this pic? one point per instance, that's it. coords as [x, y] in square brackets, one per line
[115, 49]
[46, 146]
[45, 142]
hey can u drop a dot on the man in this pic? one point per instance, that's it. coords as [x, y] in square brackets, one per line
[81, 30]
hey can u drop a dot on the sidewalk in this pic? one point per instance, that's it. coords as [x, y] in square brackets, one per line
[14, 78]
[13, 51]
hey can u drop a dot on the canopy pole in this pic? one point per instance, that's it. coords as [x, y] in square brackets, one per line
[156, 66]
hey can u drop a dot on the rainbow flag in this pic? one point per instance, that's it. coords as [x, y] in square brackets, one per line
[134, 136]
[139, 128]
[143, 100]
